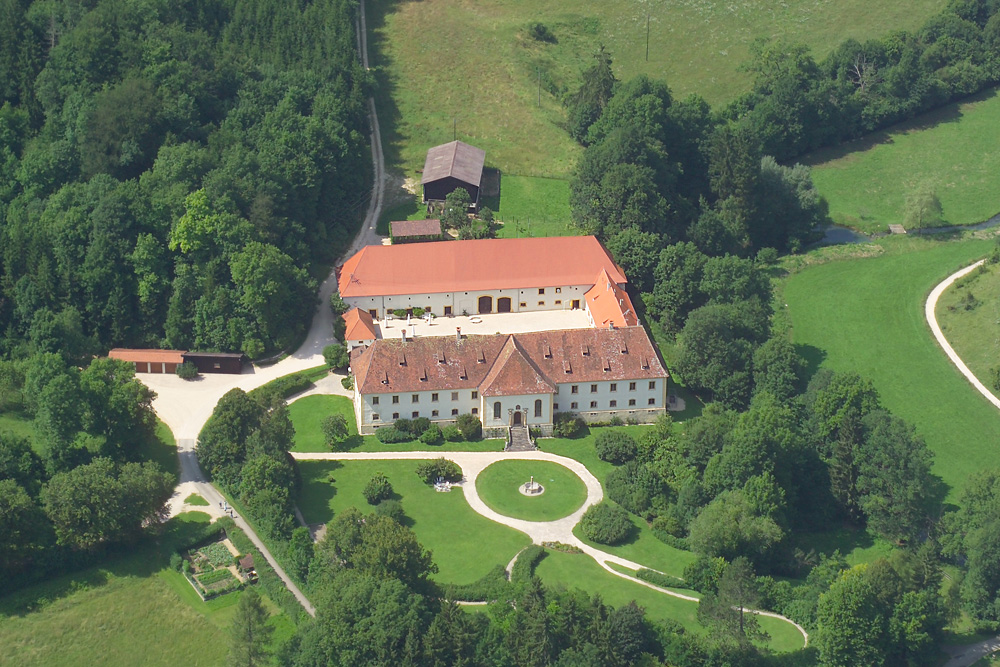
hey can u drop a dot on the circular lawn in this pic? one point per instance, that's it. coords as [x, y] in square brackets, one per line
[499, 487]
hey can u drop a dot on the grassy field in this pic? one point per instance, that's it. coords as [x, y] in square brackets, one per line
[499, 487]
[491, 98]
[867, 315]
[643, 548]
[465, 545]
[580, 571]
[954, 150]
[974, 332]
[130, 610]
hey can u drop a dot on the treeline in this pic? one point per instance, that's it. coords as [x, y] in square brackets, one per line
[174, 174]
[82, 487]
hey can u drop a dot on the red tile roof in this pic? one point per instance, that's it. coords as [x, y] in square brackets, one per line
[404, 228]
[488, 264]
[454, 159]
[507, 364]
[360, 325]
[147, 355]
[609, 304]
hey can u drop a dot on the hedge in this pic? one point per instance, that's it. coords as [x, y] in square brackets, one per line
[524, 566]
[662, 580]
[492, 586]
[283, 387]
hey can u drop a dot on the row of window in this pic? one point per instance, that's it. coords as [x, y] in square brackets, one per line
[415, 398]
[416, 414]
[611, 404]
[575, 389]
[497, 408]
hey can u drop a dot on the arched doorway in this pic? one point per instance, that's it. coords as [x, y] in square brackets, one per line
[517, 418]
[503, 304]
[485, 305]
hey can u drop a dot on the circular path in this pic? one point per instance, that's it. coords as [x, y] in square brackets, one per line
[560, 530]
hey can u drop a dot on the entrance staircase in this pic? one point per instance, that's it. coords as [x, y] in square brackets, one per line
[519, 440]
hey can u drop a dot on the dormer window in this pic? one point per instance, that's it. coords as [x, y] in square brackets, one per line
[586, 350]
[548, 352]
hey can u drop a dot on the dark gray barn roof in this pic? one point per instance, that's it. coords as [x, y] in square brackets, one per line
[455, 159]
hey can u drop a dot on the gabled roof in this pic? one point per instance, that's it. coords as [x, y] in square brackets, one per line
[609, 304]
[404, 228]
[456, 160]
[147, 355]
[507, 364]
[360, 325]
[514, 373]
[482, 264]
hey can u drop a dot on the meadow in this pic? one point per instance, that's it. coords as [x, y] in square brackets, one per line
[464, 544]
[954, 151]
[451, 69]
[973, 327]
[132, 609]
[867, 316]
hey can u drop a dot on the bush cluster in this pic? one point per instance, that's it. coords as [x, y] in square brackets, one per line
[606, 523]
[187, 371]
[470, 426]
[567, 425]
[616, 447]
[430, 471]
[377, 489]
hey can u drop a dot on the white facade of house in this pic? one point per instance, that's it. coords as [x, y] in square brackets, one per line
[467, 303]
[600, 401]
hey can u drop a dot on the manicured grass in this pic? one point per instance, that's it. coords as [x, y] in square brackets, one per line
[130, 610]
[162, 449]
[499, 487]
[974, 333]
[195, 499]
[530, 206]
[643, 548]
[867, 316]
[491, 98]
[956, 150]
[465, 545]
[17, 423]
[582, 449]
[580, 571]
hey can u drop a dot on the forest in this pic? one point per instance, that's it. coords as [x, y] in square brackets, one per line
[174, 174]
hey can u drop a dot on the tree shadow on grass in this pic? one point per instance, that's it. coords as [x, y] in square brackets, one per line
[813, 356]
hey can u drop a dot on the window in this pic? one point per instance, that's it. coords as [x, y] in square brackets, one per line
[631, 386]
[434, 397]
[541, 290]
[559, 290]
[475, 395]
[524, 305]
[555, 406]
[434, 413]
[496, 410]
[454, 412]
[395, 416]
[217, 365]
[395, 399]
[574, 405]
[574, 389]
[374, 400]
[475, 411]
[414, 398]
[614, 386]
[558, 302]
[652, 384]
[454, 395]
[541, 303]
[631, 402]
[593, 404]
[614, 404]
[593, 389]
[652, 401]
[414, 414]
[538, 407]
[374, 417]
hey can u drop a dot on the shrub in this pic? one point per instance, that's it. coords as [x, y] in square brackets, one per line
[390, 435]
[524, 566]
[176, 561]
[492, 586]
[660, 579]
[995, 378]
[606, 523]
[377, 489]
[335, 430]
[470, 426]
[392, 509]
[187, 371]
[336, 356]
[615, 447]
[635, 487]
[399, 312]
[432, 436]
[418, 311]
[567, 425]
[404, 426]
[451, 433]
[442, 468]
[541, 33]
[283, 387]
[337, 305]
[347, 382]
[419, 425]
[616, 421]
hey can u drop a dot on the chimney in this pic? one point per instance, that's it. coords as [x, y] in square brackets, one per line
[458, 334]
[403, 332]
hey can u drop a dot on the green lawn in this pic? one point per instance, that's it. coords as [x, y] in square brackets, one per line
[130, 610]
[465, 545]
[492, 99]
[195, 499]
[17, 423]
[499, 486]
[162, 449]
[646, 550]
[867, 315]
[530, 206]
[580, 571]
[974, 331]
[582, 449]
[955, 150]
[856, 545]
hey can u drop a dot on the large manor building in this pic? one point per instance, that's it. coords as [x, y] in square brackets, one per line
[507, 380]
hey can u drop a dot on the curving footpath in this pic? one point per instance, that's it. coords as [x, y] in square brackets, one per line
[967, 654]
[560, 530]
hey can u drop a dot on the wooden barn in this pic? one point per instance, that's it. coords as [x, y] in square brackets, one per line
[411, 231]
[216, 362]
[451, 166]
[149, 361]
